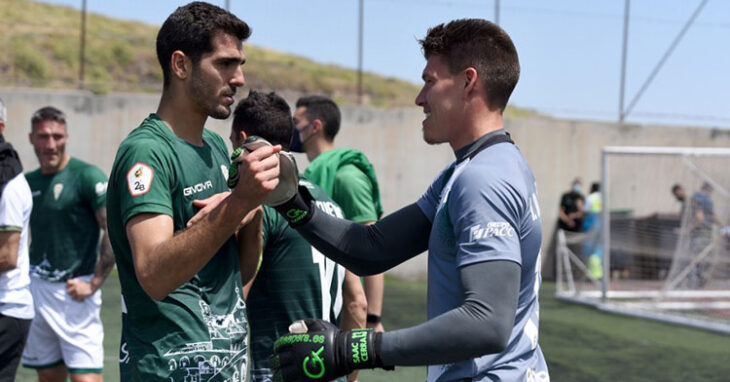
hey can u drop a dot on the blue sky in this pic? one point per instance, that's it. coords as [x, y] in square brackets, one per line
[570, 50]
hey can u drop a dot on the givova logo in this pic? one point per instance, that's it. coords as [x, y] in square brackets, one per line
[492, 229]
[202, 186]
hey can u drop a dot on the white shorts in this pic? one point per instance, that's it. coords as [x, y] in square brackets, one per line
[64, 331]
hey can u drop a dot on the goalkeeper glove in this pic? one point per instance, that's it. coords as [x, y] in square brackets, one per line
[316, 350]
[284, 195]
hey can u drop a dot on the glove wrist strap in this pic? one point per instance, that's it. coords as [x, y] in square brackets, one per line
[363, 349]
[297, 210]
[360, 349]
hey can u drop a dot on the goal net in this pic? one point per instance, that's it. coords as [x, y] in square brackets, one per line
[660, 244]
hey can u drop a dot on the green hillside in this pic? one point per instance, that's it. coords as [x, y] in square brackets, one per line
[39, 47]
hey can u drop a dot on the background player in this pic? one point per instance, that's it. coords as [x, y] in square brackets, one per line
[294, 281]
[16, 302]
[69, 209]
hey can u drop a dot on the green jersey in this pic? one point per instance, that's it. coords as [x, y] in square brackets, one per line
[63, 225]
[198, 332]
[294, 282]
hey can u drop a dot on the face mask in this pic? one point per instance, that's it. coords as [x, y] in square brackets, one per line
[576, 187]
[297, 146]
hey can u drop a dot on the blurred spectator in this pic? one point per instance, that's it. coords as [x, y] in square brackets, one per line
[702, 216]
[571, 208]
[681, 195]
[592, 224]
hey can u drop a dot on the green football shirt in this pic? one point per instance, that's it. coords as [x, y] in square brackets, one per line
[294, 282]
[63, 225]
[198, 332]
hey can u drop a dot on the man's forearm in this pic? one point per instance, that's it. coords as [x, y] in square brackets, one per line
[9, 244]
[354, 303]
[164, 264]
[481, 325]
[105, 264]
[374, 287]
[372, 249]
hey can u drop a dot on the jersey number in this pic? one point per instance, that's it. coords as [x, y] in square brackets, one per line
[138, 186]
[326, 277]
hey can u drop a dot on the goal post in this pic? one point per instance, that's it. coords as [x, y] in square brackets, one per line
[660, 256]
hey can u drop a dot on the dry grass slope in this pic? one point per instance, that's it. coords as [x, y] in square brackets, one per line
[39, 47]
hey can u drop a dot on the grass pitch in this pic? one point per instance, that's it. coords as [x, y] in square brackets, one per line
[580, 343]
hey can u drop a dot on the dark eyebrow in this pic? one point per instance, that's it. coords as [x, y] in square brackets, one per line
[231, 60]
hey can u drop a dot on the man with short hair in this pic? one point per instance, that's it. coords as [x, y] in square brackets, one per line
[479, 220]
[67, 264]
[16, 301]
[183, 312]
[293, 281]
[344, 174]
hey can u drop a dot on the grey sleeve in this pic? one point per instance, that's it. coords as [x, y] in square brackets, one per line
[370, 249]
[482, 325]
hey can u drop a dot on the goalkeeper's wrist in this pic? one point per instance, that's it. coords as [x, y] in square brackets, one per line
[363, 349]
[297, 210]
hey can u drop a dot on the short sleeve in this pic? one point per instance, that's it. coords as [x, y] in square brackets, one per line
[270, 224]
[15, 203]
[94, 184]
[145, 176]
[353, 191]
[429, 201]
[485, 213]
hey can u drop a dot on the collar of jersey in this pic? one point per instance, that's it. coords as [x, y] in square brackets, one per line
[465, 151]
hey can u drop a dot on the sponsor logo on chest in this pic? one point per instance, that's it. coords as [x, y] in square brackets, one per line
[200, 187]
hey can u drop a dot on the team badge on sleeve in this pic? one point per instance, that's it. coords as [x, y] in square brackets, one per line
[100, 188]
[139, 179]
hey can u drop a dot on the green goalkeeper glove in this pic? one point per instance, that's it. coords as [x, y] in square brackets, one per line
[316, 350]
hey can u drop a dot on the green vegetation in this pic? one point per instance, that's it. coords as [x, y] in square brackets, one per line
[580, 343]
[40, 47]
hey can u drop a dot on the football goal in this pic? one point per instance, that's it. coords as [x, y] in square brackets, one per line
[661, 246]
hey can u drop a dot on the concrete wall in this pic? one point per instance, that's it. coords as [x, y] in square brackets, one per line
[557, 150]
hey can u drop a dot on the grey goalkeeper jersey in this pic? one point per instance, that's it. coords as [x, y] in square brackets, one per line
[485, 209]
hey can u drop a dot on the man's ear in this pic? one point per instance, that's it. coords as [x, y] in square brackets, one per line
[471, 77]
[242, 136]
[2, 127]
[317, 126]
[180, 65]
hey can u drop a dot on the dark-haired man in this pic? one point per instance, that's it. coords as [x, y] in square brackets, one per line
[69, 210]
[293, 281]
[479, 220]
[184, 316]
[344, 174]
